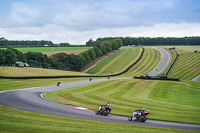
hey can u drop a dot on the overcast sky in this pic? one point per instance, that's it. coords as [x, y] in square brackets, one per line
[76, 21]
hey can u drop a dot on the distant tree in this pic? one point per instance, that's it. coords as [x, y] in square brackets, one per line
[2, 57]
[86, 56]
[10, 57]
[90, 42]
[3, 42]
[98, 51]
[19, 55]
[92, 53]
[36, 59]
[119, 42]
[64, 44]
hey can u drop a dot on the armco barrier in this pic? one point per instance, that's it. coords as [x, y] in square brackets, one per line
[156, 78]
[78, 76]
[171, 65]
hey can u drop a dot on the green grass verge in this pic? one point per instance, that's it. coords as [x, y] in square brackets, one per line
[18, 121]
[49, 49]
[12, 84]
[26, 71]
[165, 100]
[116, 62]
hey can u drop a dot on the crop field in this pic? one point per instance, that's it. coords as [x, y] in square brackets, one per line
[165, 100]
[117, 62]
[49, 49]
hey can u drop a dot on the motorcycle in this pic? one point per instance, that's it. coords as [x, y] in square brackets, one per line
[103, 111]
[142, 116]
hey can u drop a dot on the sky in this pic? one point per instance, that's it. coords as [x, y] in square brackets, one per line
[76, 21]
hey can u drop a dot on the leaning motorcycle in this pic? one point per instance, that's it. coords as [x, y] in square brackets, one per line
[104, 111]
[142, 116]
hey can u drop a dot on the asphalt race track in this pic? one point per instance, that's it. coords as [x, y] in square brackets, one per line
[196, 78]
[163, 63]
[31, 100]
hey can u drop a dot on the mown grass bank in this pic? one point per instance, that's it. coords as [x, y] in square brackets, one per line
[18, 121]
[125, 58]
[26, 72]
[12, 84]
[150, 59]
[117, 62]
[187, 66]
[165, 100]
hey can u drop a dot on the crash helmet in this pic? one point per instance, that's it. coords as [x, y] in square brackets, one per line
[108, 104]
[144, 109]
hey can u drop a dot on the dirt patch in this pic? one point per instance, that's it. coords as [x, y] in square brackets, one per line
[76, 52]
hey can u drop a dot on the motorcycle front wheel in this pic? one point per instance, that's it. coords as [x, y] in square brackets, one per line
[142, 118]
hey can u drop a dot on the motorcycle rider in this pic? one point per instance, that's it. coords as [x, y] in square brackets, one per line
[136, 112]
[144, 109]
[107, 106]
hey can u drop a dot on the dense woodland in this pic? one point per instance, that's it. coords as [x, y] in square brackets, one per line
[59, 61]
[147, 41]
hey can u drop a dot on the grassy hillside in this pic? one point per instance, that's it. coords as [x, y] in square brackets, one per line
[165, 100]
[149, 61]
[26, 71]
[50, 49]
[187, 66]
[18, 121]
[123, 59]
[117, 62]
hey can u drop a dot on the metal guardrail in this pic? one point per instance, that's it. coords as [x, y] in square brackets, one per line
[170, 67]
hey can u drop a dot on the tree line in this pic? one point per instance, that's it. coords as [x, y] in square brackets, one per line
[147, 41]
[23, 43]
[61, 61]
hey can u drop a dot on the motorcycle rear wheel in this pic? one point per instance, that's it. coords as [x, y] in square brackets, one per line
[142, 118]
[105, 113]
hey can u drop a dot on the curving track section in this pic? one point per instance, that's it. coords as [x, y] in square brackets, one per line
[31, 100]
[163, 63]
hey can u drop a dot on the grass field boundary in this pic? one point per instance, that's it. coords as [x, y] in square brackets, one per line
[77, 76]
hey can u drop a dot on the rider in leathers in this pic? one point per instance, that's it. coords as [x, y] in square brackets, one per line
[107, 106]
